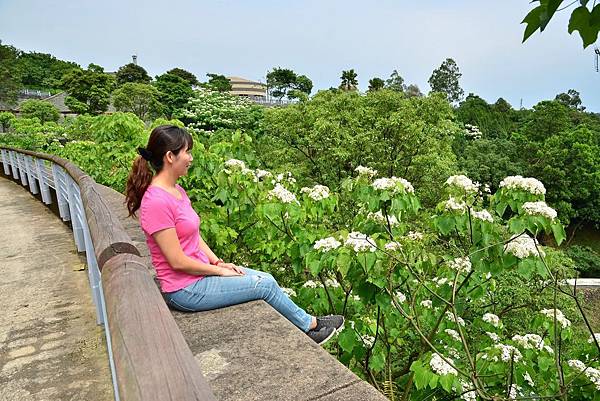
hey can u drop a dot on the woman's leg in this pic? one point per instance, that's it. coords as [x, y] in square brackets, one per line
[214, 292]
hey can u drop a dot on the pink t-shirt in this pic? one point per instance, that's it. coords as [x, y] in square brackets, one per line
[160, 210]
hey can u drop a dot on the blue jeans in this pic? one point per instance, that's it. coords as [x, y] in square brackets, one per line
[213, 292]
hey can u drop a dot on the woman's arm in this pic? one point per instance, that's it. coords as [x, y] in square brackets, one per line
[208, 252]
[170, 247]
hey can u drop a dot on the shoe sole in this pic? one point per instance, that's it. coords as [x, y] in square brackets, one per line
[327, 338]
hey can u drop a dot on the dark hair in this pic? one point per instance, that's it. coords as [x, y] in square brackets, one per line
[163, 139]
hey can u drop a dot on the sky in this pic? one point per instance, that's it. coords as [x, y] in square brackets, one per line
[316, 38]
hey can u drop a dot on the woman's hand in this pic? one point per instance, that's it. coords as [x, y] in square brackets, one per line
[229, 269]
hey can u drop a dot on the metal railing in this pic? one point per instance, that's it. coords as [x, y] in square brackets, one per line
[40, 175]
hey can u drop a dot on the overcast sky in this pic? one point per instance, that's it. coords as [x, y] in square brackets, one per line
[318, 38]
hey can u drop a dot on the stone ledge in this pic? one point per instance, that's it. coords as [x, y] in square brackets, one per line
[250, 352]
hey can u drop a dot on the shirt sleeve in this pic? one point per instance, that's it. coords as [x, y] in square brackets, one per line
[157, 214]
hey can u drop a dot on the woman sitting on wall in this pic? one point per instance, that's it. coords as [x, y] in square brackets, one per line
[192, 278]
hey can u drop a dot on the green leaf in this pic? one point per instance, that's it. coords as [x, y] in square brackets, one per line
[559, 232]
[421, 375]
[533, 21]
[347, 340]
[446, 382]
[581, 20]
[343, 262]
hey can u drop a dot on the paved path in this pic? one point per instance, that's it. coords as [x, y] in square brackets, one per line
[50, 345]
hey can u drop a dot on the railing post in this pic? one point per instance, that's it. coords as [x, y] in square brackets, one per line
[13, 165]
[44, 189]
[31, 174]
[59, 186]
[5, 162]
[75, 212]
[22, 169]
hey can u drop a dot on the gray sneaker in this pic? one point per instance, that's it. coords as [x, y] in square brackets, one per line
[321, 335]
[334, 321]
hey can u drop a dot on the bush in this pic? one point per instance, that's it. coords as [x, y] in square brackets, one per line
[587, 261]
[42, 110]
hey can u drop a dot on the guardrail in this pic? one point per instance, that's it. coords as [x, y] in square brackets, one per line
[149, 358]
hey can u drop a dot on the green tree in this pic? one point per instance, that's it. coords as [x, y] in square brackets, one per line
[349, 81]
[139, 99]
[584, 18]
[132, 73]
[40, 109]
[413, 90]
[217, 82]
[445, 80]
[570, 99]
[188, 76]
[395, 82]
[280, 81]
[9, 75]
[303, 84]
[44, 71]
[174, 93]
[6, 119]
[88, 90]
[376, 84]
[325, 138]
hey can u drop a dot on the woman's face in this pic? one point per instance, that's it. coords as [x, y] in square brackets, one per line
[182, 161]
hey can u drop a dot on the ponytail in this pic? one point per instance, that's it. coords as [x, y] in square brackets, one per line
[138, 182]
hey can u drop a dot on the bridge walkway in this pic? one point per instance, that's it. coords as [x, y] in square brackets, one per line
[50, 345]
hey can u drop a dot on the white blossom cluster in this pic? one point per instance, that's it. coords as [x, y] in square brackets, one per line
[393, 246]
[311, 284]
[440, 366]
[467, 395]
[439, 281]
[316, 193]
[560, 318]
[483, 215]
[327, 244]
[360, 242]
[289, 292]
[414, 236]
[391, 184]
[284, 176]
[522, 246]
[368, 340]
[596, 336]
[459, 320]
[528, 379]
[427, 303]
[249, 172]
[234, 164]
[453, 333]
[495, 338]
[539, 209]
[528, 184]
[514, 392]
[366, 171]
[457, 205]
[529, 341]
[592, 374]
[463, 182]
[282, 194]
[332, 283]
[380, 218]
[472, 132]
[491, 319]
[400, 297]
[260, 174]
[508, 352]
[461, 265]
